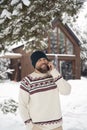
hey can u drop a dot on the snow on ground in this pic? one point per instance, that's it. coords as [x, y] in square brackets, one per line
[9, 121]
[74, 106]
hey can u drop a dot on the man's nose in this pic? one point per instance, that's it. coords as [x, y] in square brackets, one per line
[43, 62]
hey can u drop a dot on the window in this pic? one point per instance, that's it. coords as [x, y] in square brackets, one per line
[69, 47]
[59, 43]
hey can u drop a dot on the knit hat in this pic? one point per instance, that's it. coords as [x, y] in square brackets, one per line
[36, 56]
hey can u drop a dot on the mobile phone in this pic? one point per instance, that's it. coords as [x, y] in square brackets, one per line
[48, 67]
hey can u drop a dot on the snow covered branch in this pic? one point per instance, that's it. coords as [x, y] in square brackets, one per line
[26, 19]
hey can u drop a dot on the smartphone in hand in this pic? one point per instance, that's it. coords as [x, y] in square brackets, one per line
[50, 66]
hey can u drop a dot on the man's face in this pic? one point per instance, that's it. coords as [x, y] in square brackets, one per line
[42, 65]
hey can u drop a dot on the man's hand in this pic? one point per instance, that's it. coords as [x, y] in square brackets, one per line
[51, 66]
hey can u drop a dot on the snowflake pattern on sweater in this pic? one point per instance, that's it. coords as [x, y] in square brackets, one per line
[35, 85]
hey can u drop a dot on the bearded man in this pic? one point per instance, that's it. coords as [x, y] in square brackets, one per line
[39, 101]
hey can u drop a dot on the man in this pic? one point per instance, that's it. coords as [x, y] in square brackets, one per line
[39, 102]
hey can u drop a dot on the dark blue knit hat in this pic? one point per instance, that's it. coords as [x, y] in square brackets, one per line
[36, 56]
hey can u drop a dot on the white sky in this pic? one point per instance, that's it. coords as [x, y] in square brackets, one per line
[81, 21]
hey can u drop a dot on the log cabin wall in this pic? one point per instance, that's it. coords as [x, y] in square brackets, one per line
[21, 65]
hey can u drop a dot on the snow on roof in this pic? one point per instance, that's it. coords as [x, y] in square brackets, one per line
[10, 55]
[60, 55]
[16, 45]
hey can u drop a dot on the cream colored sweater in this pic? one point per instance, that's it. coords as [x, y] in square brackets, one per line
[39, 101]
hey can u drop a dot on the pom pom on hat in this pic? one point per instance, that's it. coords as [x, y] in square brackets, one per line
[36, 56]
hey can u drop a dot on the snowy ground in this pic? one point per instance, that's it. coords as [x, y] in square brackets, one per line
[74, 106]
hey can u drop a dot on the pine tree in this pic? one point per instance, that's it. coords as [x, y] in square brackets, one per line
[27, 21]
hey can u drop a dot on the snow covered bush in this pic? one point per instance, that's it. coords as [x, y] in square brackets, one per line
[4, 64]
[9, 105]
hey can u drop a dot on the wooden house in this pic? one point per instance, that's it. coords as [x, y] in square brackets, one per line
[63, 49]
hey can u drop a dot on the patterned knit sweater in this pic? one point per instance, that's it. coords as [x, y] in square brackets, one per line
[39, 101]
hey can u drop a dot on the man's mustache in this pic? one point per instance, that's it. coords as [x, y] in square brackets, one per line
[44, 64]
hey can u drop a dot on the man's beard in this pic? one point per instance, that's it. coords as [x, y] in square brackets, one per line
[43, 68]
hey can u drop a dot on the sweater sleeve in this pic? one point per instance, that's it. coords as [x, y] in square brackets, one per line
[23, 103]
[63, 86]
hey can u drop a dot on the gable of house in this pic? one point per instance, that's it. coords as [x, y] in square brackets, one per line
[64, 48]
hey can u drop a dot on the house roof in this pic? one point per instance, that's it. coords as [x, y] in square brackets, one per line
[72, 33]
[11, 55]
[16, 45]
